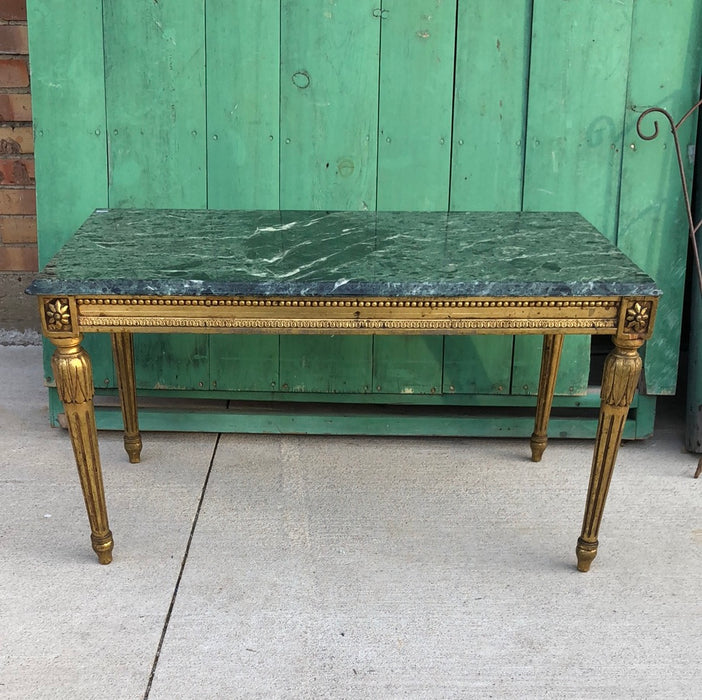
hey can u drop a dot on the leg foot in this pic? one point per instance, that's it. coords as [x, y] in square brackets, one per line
[102, 546]
[132, 446]
[586, 552]
[538, 446]
[550, 359]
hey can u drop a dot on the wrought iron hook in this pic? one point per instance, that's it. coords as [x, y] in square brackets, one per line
[674, 129]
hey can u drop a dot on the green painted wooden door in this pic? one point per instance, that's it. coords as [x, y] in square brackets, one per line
[392, 104]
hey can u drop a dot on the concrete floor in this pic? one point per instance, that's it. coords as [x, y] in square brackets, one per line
[305, 567]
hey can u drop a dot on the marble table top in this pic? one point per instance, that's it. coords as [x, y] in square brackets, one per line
[297, 253]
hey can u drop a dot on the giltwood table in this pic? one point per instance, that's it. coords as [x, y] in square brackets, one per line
[165, 271]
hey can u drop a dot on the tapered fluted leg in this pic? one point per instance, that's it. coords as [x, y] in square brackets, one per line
[550, 358]
[619, 380]
[74, 381]
[123, 351]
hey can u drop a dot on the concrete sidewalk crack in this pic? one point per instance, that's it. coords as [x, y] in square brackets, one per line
[182, 569]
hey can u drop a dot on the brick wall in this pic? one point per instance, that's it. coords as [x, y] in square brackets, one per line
[18, 223]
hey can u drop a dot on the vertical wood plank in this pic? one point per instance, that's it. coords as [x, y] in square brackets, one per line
[329, 104]
[492, 65]
[243, 114]
[414, 155]
[327, 364]
[407, 365]
[477, 365]
[244, 362]
[664, 68]
[68, 101]
[416, 95]
[176, 361]
[155, 96]
[577, 90]
[243, 108]
[577, 101]
[155, 93]
[328, 131]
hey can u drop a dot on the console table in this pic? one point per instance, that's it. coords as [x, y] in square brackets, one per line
[166, 271]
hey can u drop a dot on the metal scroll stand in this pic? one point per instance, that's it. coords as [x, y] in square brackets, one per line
[693, 227]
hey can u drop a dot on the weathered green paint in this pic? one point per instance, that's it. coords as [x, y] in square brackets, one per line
[407, 365]
[68, 100]
[645, 416]
[590, 401]
[345, 422]
[572, 373]
[244, 362]
[477, 365]
[328, 154]
[414, 156]
[484, 417]
[155, 97]
[492, 64]
[416, 92]
[243, 107]
[664, 68]
[156, 121]
[332, 364]
[577, 88]
[178, 361]
[577, 93]
[205, 104]
[328, 105]
[243, 149]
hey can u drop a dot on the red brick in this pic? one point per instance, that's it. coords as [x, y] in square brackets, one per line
[13, 10]
[13, 38]
[16, 139]
[16, 107]
[16, 171]
[18, 258]
[16, 200]
[18, 229]
[14, 72]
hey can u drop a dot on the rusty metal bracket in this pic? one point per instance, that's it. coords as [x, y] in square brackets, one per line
[693, 226]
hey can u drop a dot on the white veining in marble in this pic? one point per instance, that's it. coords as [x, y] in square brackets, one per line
[197, 252]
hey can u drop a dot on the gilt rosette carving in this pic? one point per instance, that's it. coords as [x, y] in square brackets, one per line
[638, 317]
[57, 314]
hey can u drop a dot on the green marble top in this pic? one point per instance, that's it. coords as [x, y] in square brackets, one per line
[295, 253]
